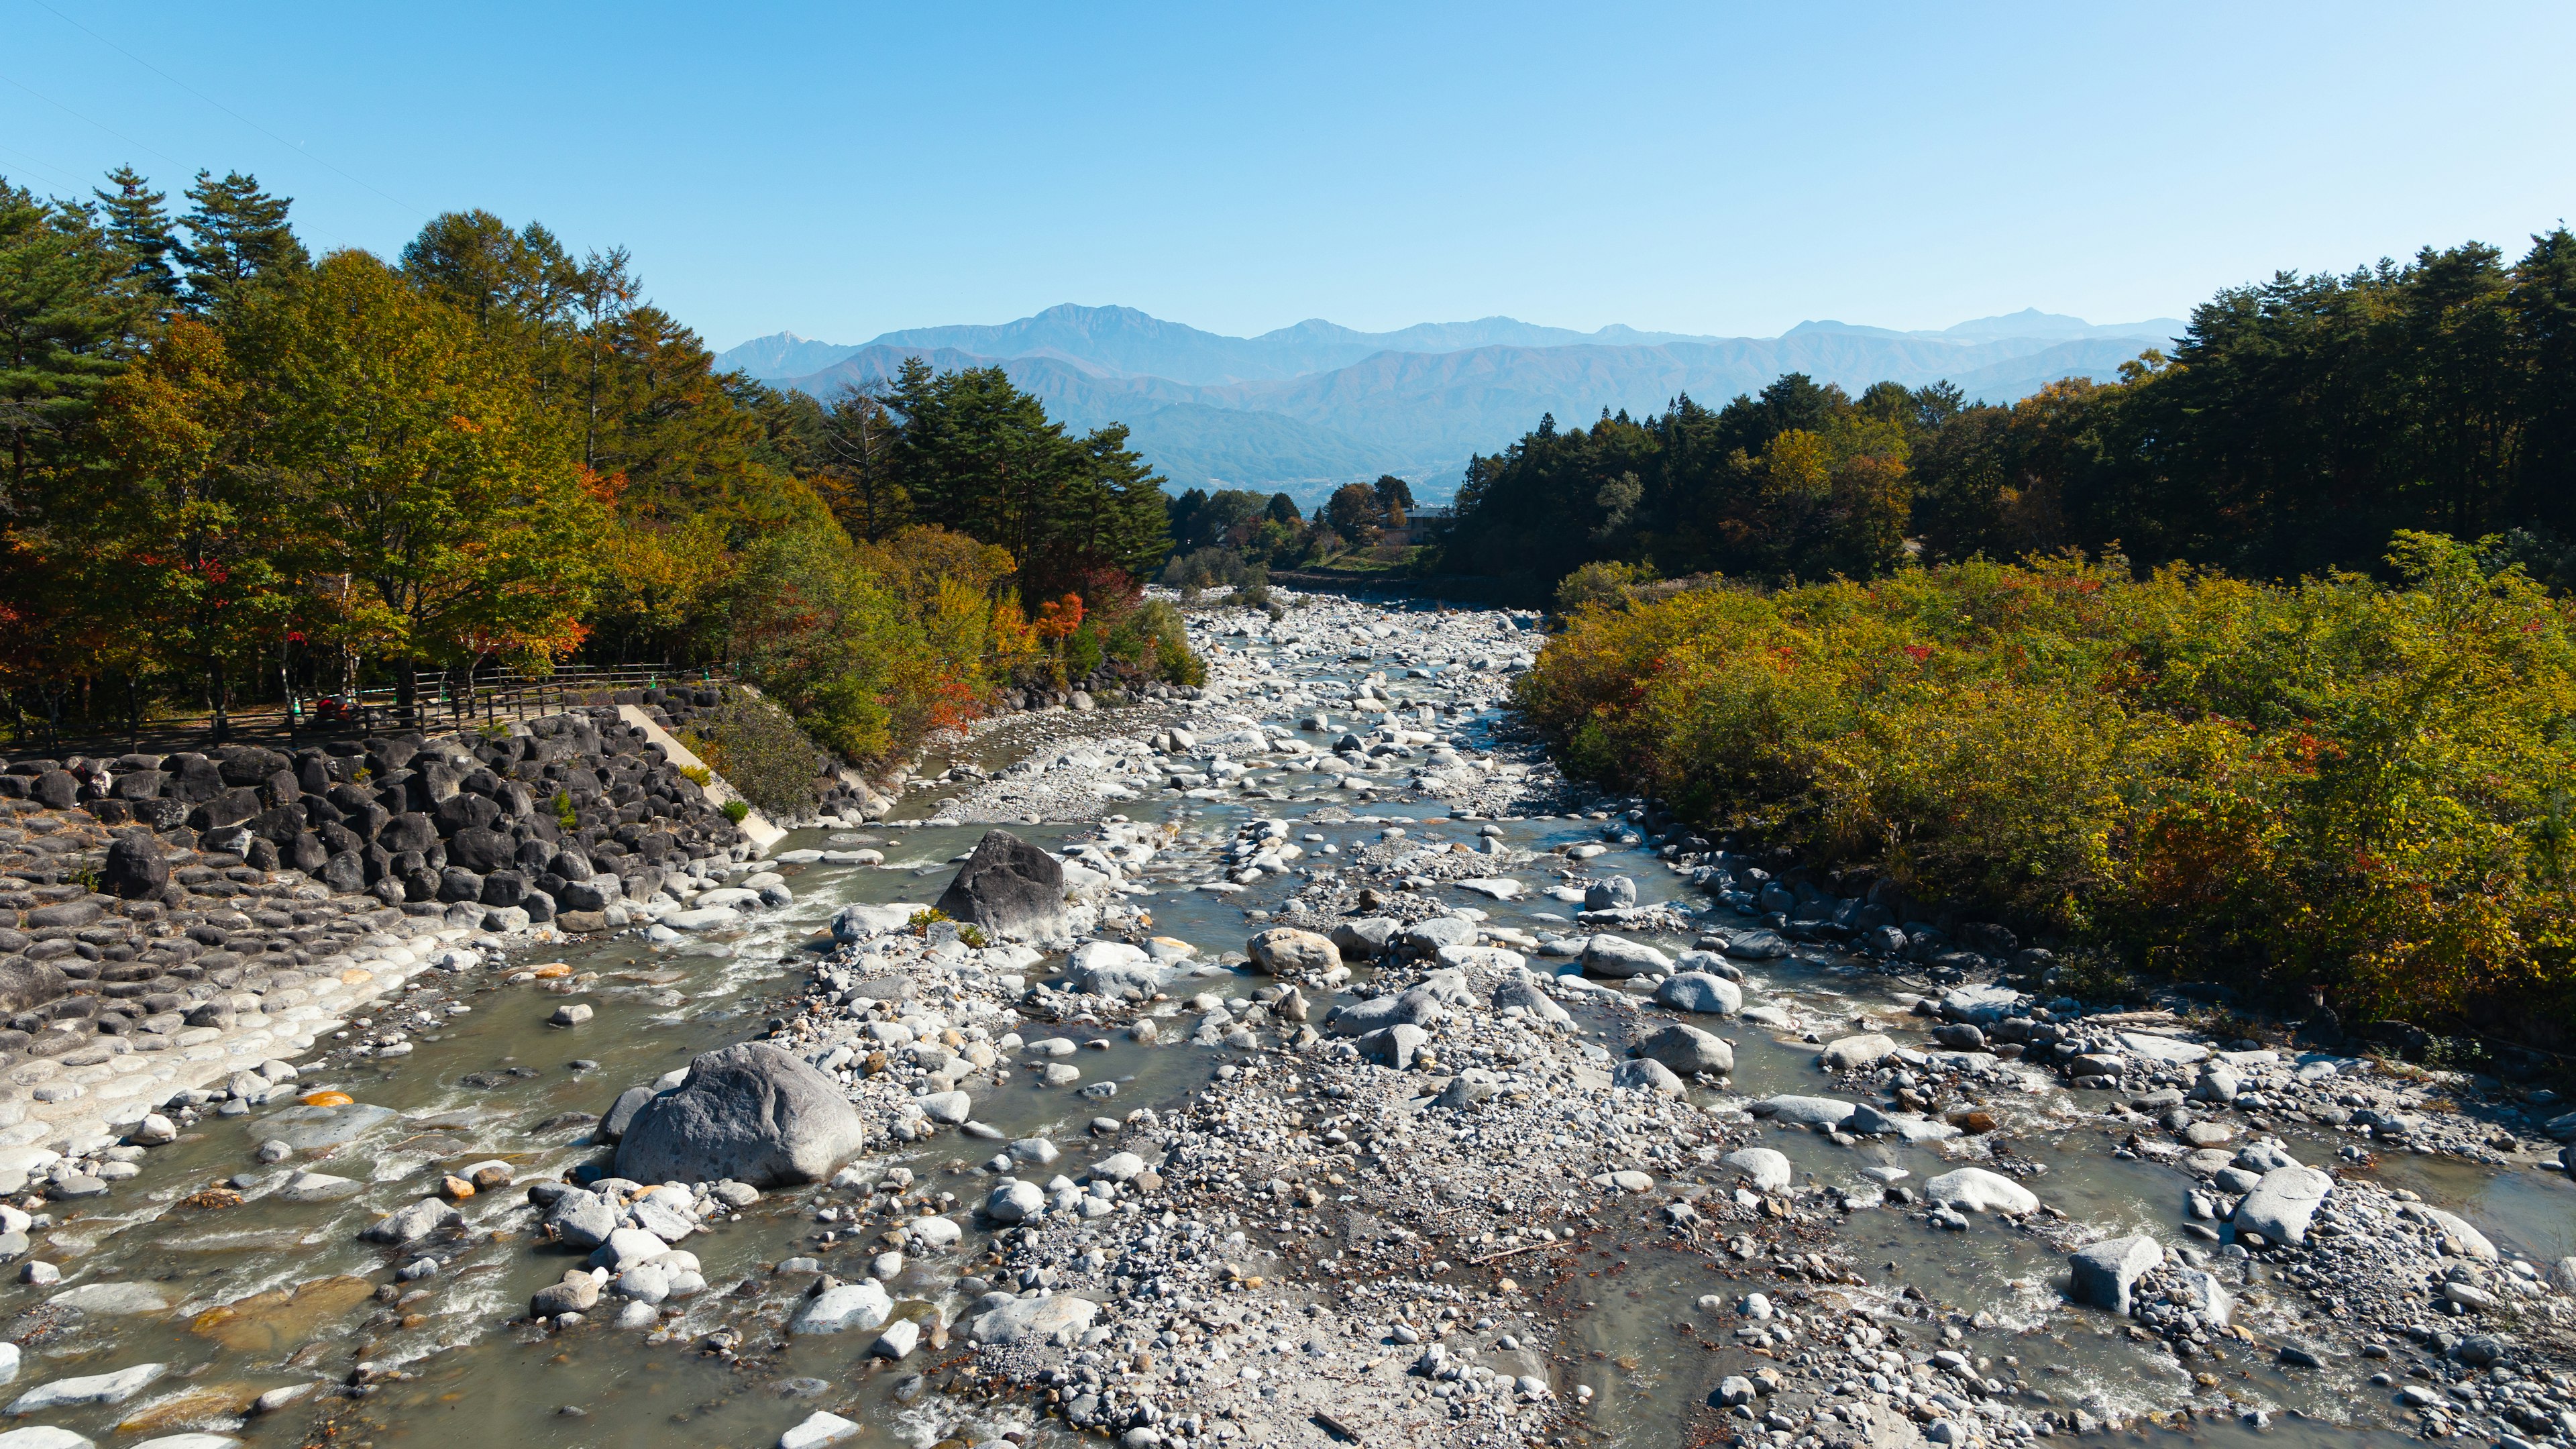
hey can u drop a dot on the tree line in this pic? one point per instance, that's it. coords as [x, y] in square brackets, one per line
[1235, 534]
[234, 469]
[2296, 426]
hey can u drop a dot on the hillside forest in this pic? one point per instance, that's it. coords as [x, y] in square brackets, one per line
[230, 468]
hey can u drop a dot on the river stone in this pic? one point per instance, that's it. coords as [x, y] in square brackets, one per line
[1647, 1075]
[861, 1305]
[190, 1441]
[898, 1340]
[1867, 1120]
[1412, 1007]
[1524, 993]
[111, 1297]
[818, 1429]
[413, 1223]
[1804, 1111]
[1697, 991]
[949, 1107]
[626, 1247]
[2264, 1157]
[1766, 1167]
[1975, 1190]
[582, 1219]
[1014, 1201]
[577, 1293]
[1709, 963]
[1688, 1050]
[1062, 1316]
[2281, 1204]
[1610, 894]
[1363, 939]
[1396, 1046]
[113, 1388]
[2105, 1272]
[1284, 950]
[1618, 958]
[1852, 1053]
[1009, 887]
[1756, 946]
[44, 1436]
[2473, 1244]
[751, 1113]
[308, 1129]
[860, 922]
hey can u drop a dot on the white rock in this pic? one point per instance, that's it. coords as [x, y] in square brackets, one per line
[817, 1430]
[113, 1388]
[1975, 1190]
[1767, 1168]
[861, 1305]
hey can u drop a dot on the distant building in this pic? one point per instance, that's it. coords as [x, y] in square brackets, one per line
[1421, 525]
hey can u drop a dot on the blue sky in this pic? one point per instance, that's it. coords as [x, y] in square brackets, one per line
[843, 170]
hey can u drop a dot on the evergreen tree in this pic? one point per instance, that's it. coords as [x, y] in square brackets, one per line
[237, 234]
[138, 225]
[66, 320]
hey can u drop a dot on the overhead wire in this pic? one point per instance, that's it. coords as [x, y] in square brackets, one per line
[227, 110]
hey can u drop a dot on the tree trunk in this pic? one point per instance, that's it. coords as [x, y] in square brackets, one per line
[407, 692]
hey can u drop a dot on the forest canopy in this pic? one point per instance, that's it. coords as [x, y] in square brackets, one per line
[230, 468]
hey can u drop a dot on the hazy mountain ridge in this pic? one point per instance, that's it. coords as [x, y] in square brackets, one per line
[1306, 407]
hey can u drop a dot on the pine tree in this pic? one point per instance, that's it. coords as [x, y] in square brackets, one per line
[237, 233]
[138, 225]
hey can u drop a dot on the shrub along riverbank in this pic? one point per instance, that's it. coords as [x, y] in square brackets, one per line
[2335, 783]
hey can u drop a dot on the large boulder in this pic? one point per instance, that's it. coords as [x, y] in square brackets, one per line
[751, 1113]
[1852, 1053]
[1975, 1190]
[1687, 1050]
[25, 984]
[1645, 1074]
[1766, 1167]
[2281, 1204]
[1617, 956]
[2105, 1272]
[135, 867]
[1009, 887]
[997, 1318]
[1413, 1007]
[1524, 993]
[1364, 939]
[1798, 1111]
[1698, 991]
[1285, 950]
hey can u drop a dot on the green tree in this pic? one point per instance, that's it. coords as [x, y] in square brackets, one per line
[67, 314]
[237, 235]
[425, 466]
[138, 225]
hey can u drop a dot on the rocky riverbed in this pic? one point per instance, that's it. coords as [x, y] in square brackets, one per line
[1335, 1073]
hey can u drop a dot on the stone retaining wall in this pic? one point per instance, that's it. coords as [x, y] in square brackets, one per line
[168, 921]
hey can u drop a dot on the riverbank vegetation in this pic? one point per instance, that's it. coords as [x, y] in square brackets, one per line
[231, 471]
[2338, 781]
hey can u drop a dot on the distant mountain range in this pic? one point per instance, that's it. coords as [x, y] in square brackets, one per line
[1309, 407]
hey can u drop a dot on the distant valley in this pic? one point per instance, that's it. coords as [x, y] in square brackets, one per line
[1306, 408]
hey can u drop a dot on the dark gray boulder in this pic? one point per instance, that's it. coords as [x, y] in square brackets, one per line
[478, 849]
[751, 1113]
[1009, 887]
[25, 984]
[134, 868]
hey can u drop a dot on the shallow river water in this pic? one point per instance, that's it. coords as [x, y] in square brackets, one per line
[269, 1293]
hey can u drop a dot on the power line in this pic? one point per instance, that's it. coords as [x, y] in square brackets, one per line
[29, 164]
[227, 110]
[102, 125]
